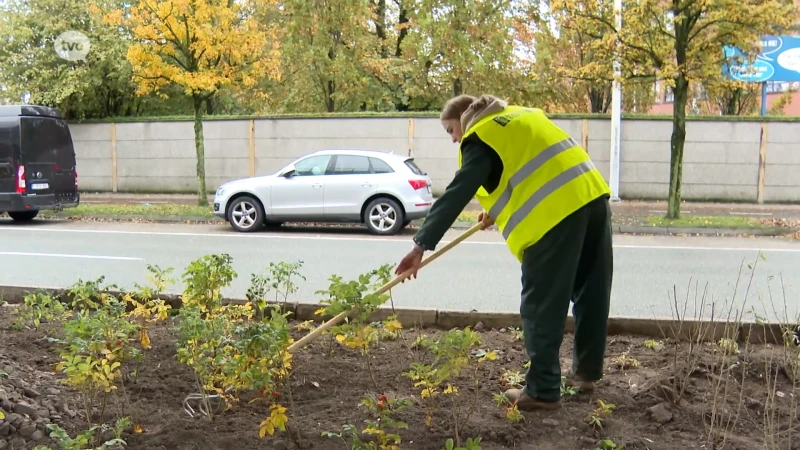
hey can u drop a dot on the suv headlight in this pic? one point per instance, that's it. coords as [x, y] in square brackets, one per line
[220, 191]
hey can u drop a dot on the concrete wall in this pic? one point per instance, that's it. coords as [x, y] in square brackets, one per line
[723, 160]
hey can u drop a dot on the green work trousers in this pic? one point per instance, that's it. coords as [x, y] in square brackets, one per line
[573, 262]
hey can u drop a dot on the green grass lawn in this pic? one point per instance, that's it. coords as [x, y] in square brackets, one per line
[157, 209]
[707, 222]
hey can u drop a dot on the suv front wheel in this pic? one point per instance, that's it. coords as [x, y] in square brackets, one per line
[245, 214]
[383, 216]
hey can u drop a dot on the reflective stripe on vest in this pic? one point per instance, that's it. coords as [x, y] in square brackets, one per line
[542, 193]
[527, 170]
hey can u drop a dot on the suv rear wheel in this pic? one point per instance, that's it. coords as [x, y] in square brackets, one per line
[246, 214]
[23, 216]
[383, 216]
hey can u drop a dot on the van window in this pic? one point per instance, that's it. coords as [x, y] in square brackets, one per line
[46, 140]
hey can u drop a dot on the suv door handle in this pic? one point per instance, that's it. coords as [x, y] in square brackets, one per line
[316, 185]
[366, 184]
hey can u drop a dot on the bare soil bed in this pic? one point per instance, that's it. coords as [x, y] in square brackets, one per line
[329, 380]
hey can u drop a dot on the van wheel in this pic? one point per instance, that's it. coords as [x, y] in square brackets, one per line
[23, 216]
[383, 216]
[246, 214]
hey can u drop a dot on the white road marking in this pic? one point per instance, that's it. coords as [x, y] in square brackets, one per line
[60, 255]
[751, 214]
[664, 211]
[402, 240]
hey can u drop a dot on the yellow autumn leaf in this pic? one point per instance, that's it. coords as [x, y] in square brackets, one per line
[450, 389]
[138, 428]
[393, 326]
[425, 393]
[319, 311]
[144, 338]
[491, 356]
[340, 338]
[2, 414]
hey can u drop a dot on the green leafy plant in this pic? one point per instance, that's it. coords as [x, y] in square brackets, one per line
[85, 440]
[518, 334]
[381, 425]
[470, 444]
[280, 280]
[229, 352]
[205, 278]
[90, 294]
[608, 444]
[452, 353]
[624, 361]
[95, 344]
[566, 389]
[358, 297]
[510, 410]
[597, 417]
[38, 307]
[145, 308]
[652, 344]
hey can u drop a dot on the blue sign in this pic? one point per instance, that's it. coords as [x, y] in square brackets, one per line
[779, 60]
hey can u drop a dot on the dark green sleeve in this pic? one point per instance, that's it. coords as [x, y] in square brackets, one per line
[475, 169]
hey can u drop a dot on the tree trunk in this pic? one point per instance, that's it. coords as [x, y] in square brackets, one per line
[202, 195]
[677, 143]
[457, 87]
[210, 106]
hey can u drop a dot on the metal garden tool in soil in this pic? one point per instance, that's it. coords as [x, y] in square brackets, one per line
[400, 278]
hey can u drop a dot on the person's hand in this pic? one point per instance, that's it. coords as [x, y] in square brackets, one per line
[485, 219]
[412, 261]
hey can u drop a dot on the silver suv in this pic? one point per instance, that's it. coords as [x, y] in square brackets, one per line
[381, 190]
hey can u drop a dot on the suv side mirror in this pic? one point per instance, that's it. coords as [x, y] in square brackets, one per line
[289, 172]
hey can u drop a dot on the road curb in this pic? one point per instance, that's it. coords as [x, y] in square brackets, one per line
[617, 229]
[656, 328]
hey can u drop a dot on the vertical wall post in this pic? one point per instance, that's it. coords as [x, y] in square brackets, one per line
[410, 136]
[762, 162]
[114, 182]
[585, 135]
[251, 151]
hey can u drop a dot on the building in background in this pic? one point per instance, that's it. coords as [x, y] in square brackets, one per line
[779, 93]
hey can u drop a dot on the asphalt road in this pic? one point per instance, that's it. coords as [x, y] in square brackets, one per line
[478, 274]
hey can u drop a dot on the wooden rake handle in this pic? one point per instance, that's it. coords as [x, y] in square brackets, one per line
[341, 316]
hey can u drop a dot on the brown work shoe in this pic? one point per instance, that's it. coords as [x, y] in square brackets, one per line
[525, 402]
[580, 383]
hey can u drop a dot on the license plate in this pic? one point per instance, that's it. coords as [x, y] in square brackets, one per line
[40, 186]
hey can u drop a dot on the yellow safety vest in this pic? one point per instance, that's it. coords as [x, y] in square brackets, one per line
[546, 175]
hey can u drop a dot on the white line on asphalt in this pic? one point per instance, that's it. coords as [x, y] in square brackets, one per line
[664, 211]
[750, 214]
[59, 255]
[402, 240]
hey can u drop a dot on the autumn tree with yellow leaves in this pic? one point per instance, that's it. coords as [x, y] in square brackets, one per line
[679, 41]
[199, 46]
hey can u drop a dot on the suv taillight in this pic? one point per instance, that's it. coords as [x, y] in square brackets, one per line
[75, 171]
[21, 185]
[417, 184]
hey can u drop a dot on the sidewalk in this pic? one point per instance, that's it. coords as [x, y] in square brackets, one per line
[625, 208]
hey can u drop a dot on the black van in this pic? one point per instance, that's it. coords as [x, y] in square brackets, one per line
[37, 162]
